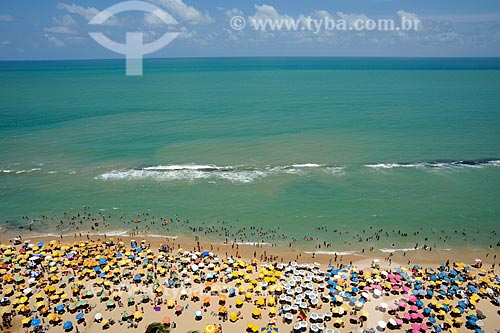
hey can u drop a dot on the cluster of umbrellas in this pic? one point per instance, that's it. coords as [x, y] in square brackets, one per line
[55, 281]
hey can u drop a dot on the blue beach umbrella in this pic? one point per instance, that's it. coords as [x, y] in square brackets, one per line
[60, 308]
[137, 278]
[102, 261]
[471, 322]
[36, 322]
[472, 289]
[79, 316]
[68, 325]
[269, 329]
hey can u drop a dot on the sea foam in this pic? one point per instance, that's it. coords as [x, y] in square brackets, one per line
[234, 174]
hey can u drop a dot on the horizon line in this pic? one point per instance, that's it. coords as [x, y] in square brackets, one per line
[255, 57]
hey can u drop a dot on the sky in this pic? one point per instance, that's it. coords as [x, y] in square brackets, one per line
[59, 29]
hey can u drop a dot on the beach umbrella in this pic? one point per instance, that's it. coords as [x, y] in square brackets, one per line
[79, 316]
[166, 321]
[256, 313]
[26, 321]
[138, 315]
[170, 303]
[98, 316]
[382, 324]
[233, 316]
[36, 322]
[198, 314]
[269, 329]
[68, 325]
[210, 328]
[338, 322]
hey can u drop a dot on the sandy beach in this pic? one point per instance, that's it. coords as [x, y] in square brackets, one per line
[131, 283]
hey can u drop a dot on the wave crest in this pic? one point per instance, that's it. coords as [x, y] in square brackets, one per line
[235, 174]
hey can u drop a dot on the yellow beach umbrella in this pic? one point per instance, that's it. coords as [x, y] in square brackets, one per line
[210, 328]
[272, 311]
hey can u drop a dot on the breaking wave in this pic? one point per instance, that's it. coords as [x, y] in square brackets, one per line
[248, 174]
[236, 174]
[438, 164]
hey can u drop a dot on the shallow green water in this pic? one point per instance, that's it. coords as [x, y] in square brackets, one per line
[296, 143]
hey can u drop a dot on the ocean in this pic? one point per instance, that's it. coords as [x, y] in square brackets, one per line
[353, 144]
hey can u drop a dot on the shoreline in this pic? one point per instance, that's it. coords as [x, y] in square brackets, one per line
[264, 251]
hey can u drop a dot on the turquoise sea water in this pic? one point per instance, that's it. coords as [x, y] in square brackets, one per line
[292, 142]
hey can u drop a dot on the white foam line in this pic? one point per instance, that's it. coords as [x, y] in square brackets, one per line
[332, 253]
[252, 243]
[182, 167]
[160, 236]
[398, 250]
[306, 165]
